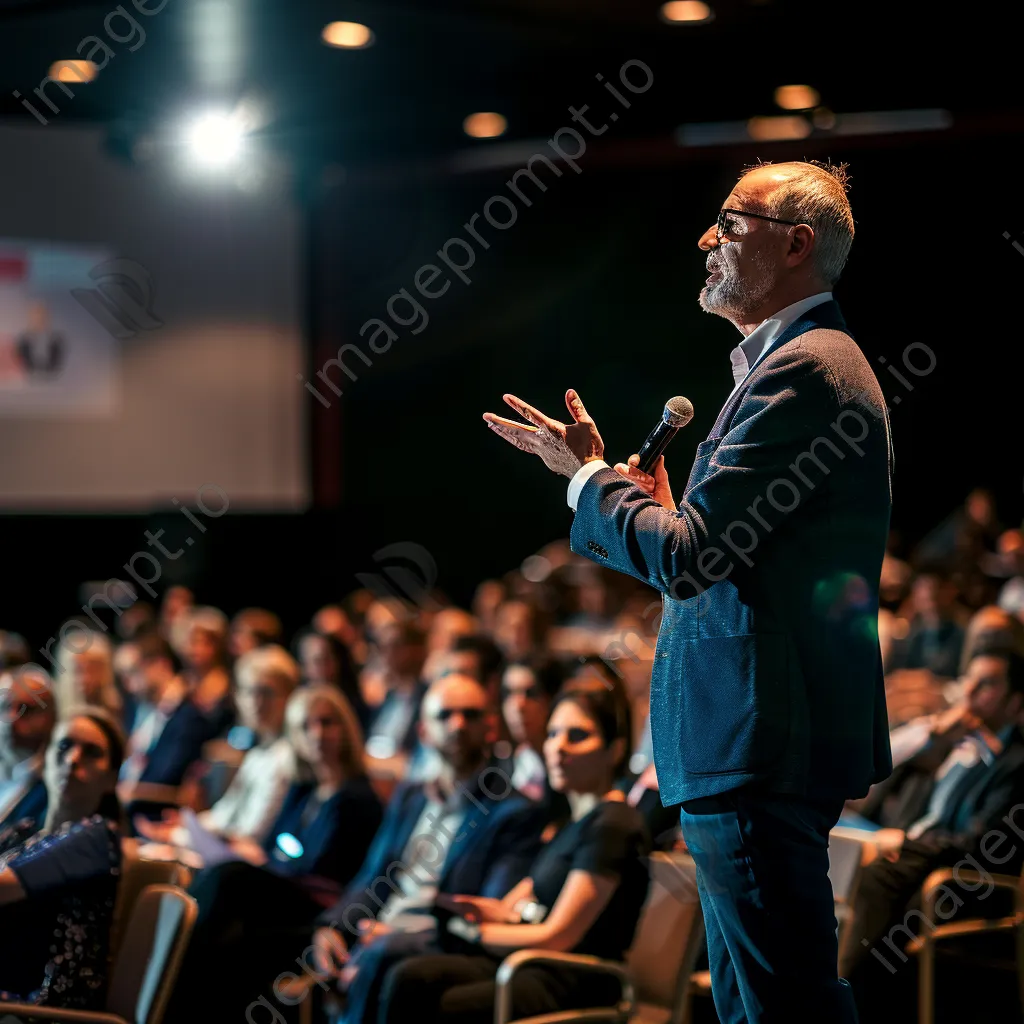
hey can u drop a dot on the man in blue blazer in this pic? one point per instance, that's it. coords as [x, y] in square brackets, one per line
[466, 832]
[27, 715]
[767, 699]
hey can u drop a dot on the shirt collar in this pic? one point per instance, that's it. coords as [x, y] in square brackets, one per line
[759, 340]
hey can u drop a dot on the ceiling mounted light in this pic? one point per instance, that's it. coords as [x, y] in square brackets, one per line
[775, 129]
[73, 70]
[796, 97]
[686, 11]
[347, 35]
[484, 125]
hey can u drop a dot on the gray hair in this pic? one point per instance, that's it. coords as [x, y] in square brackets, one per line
[815, 194]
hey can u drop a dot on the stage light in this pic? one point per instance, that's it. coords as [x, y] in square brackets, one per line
[215, 139]
[80, 71]
[686, 11]
[773, 129]
[347, 35]
[484, 125]
[796, 97]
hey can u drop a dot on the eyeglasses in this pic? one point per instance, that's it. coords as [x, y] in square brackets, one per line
[469, 714]
[724, 223]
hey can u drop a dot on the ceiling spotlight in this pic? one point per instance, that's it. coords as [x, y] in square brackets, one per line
[348, 35]
[484, 125]
[73, 70]
[215, 139]
[680, 11]
[774, 129]
[796, 97]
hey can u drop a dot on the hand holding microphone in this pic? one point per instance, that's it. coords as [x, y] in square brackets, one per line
[646, 469]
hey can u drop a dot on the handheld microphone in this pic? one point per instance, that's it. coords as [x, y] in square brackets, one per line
[678, 412]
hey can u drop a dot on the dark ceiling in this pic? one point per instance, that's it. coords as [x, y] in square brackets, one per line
[435, 62]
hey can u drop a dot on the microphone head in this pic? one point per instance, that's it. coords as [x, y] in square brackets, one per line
[678, 411]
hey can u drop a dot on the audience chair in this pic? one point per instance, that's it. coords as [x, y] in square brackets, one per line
[655, 977]
[136, 875]
[926, 945]
[145, 968]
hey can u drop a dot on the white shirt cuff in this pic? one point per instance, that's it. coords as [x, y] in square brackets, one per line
[583, 474]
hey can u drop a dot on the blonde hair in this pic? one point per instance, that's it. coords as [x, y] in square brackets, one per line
[272, 660]
[98, 648]
[352, 758]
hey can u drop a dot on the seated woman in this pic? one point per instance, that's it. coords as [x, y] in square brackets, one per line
[57, 886]
[265, 679]
[256, 911]
[325, 659]
[584, 892]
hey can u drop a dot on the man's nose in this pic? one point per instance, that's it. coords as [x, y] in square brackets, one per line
[709, 240]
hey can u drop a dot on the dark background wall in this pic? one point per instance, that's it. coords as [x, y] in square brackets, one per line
[594, 287]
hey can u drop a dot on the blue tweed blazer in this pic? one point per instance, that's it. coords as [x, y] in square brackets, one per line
[767, 670]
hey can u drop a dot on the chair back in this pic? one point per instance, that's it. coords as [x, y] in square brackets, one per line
[152, 947]
[669, 934]
[136, 874]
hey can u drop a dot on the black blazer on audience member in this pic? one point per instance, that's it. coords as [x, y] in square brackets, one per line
[494, 850]
[178, 746]
[978, 804]
[333, 838]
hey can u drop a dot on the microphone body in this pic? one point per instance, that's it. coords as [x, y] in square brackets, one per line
[678, 412]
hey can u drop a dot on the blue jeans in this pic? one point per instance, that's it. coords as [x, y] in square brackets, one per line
[762, 873]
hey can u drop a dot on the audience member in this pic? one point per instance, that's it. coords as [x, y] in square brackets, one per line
[167, 730]
[13, 650]
[393, 725]
[520, 630]
[265, 678]
[445, 628]
[1011, 593]
[324, 659]
[583, 894]
[254, 910]
[205, 661]
[252, 628]
[935, 635]
[487, 598]
[527, 689]
[973, 758]
[58, 883]
[27, 716]
[84, 673]
[466, 831]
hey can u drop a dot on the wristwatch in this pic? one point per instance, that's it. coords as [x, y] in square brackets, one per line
[463, 929]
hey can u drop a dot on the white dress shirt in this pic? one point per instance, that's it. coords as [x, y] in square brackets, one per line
[743, 358]
[251, 803]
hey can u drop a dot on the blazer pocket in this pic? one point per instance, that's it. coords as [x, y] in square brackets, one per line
[704, 452]
[707, 448]
[735, 703]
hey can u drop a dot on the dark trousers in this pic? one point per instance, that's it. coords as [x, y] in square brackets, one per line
[459, 989]
[252, 925]
[762, 873]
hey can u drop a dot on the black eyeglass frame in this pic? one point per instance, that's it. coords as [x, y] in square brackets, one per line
[720, 224]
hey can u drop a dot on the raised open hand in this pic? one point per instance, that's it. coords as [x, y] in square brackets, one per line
[562, 447]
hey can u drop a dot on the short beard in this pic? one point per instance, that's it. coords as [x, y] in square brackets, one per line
[733, 297]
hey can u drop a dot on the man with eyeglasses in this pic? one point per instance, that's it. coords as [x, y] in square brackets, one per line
[466, 831]
[767, 697]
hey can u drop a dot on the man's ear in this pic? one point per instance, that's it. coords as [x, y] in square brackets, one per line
[801, 245]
